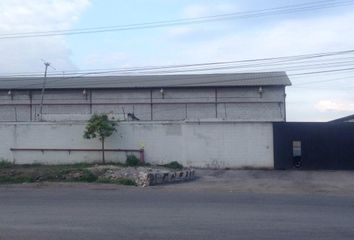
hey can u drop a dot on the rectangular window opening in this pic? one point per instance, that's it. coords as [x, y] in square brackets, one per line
[296, 148]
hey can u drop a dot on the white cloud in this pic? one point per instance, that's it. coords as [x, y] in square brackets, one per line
[289, 37]
[32, 16]
[335, 105]
[285, 38]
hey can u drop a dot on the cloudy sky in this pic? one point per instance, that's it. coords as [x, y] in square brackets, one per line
[304, 32]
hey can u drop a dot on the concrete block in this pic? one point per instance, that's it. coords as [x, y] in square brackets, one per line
[157, 177]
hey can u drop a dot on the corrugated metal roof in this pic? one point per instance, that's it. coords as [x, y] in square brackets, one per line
[151, 81]
[349, 118]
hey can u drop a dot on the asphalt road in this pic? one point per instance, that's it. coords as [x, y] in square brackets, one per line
[94, 212]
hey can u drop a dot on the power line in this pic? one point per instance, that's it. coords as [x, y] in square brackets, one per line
[253, 69]
[312, 6]
[317, 61]
[286, 66]
[283, 60]
[325, 80]
[280, 65]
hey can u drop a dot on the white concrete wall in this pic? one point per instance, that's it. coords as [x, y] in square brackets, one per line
[199, 144]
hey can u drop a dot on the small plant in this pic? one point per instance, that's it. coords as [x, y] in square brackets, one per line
[88, 176]
[173, 165]
[5, 163]
[132, 161]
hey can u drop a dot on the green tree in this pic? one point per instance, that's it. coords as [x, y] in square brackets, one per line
[99, 126]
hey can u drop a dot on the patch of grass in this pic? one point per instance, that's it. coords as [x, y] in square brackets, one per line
[76, 166]
[80, 165]
[33, 165]
[15, 179]
[122, 181]
[73, 175]
[40, 173]
[5, 164]
[119, 164]
[88, 176]
[132, 161]
[125, 181]
[79, 172]
[173, 165]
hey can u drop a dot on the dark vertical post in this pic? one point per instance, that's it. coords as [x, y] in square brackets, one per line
[103, 157]
[186, 117]
[46, 64]
[151, 106]
[15, 110]
[90, 101]
[30, 106]
[142, 155]
[216, 102]
[284, 105]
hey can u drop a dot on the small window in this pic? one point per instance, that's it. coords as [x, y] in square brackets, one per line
[296, 148]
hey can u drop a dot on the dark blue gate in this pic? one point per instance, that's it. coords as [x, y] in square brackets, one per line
[299, 145]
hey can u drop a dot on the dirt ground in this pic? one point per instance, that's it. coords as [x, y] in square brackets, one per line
[272, 181]
[257, 181]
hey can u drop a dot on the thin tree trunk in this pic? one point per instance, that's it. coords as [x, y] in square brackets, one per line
[103, 157]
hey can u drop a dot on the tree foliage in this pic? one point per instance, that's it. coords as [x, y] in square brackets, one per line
[99, 126]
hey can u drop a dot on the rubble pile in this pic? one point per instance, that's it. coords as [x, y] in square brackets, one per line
[143, 176]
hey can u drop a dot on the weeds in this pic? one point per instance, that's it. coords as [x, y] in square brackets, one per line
[15, 179]
[79, 172]
[122, 181]
[173, 165]
[5, 163]
[128, 182]
[132, 161]
[87, 176]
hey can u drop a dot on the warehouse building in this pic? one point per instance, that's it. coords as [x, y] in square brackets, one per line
[205, 120]
[243, 97]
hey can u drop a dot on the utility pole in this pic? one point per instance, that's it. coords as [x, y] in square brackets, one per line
[46, 64]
